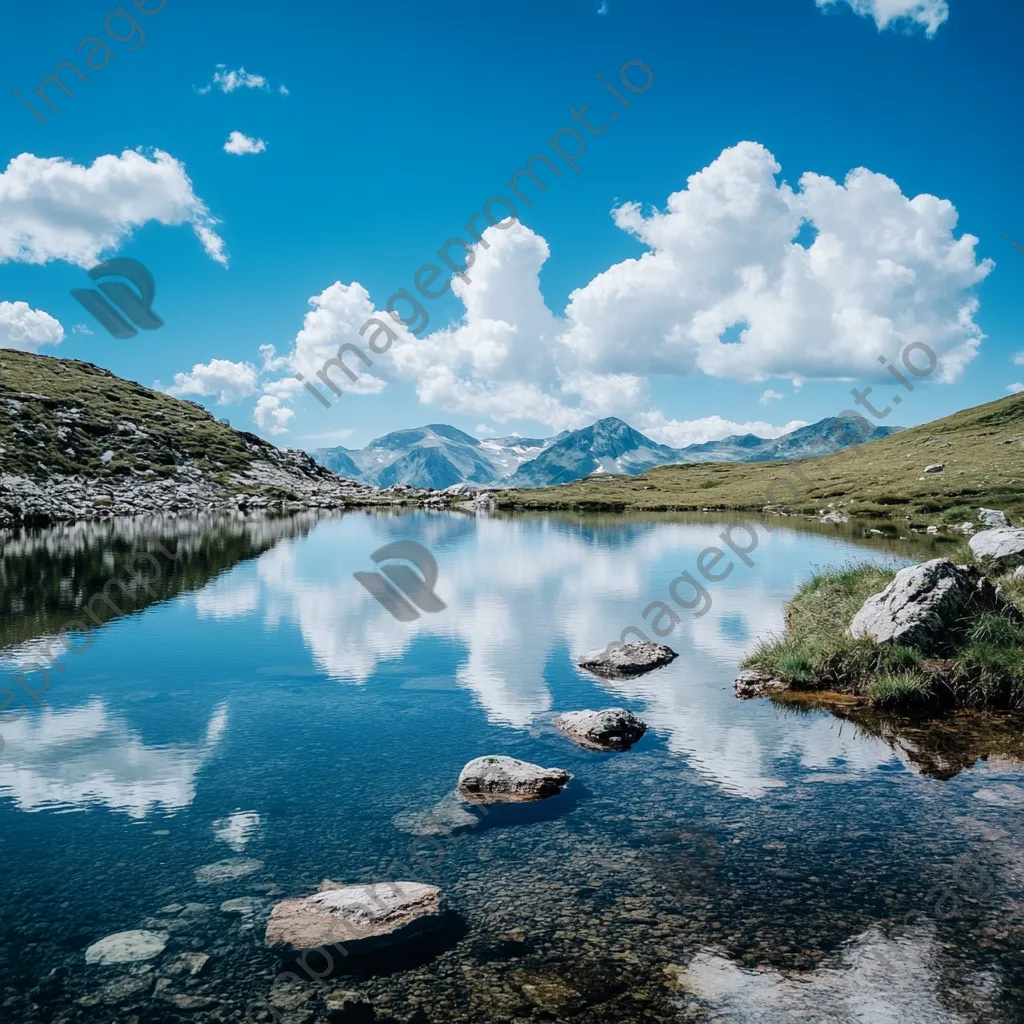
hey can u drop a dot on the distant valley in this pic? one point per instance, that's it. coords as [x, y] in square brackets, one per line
[439, 456]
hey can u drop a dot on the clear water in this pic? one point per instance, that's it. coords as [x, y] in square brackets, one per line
[743, 862]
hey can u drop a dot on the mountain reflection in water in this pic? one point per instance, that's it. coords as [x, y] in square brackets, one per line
[263, 724]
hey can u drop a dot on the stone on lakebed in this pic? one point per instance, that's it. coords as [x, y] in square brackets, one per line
[617, 661]
[126, 947]
[608, 729]
[499, 779]
[360, 917]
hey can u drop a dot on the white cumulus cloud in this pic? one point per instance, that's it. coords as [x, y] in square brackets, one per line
[271, 415]
[1015, 389]
[229, 80]
[680, 433]
[25, 328]
[928, 13]
[228, 380]
[239, 144]
[723, 289]
[769, 396]
[1018, 359]
[53, 209]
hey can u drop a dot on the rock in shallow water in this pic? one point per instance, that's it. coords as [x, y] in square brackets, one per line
[924, 605]
[360, 917]
[617, 661]
[126, 947]
[752, 682]
[499, 779]
[609, 729]
[1003, 546]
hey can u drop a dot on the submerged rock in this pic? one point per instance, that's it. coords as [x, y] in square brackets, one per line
[609, 729]
[360, 917]
[442, 819]
[617, 661]
[993, 517]
[500, 779]
[752, 682]
[925, 604]
[1003, 546]
[190, 963]
[227, 870]
[126, 947]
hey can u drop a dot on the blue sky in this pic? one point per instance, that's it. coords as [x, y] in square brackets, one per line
[379, 130]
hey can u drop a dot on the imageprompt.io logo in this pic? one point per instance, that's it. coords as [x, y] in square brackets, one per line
[403, 588]
[136, 304]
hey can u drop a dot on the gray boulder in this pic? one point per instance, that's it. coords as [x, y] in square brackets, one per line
[925, 604]
[500, 779]
[617, 661]
[992, 517]
[360, 917]
[937, 468]
[1002, 547]
[609, 729]
[1018, 573]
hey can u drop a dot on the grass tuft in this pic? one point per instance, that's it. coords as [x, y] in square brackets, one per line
[901, 689]
[817, 652]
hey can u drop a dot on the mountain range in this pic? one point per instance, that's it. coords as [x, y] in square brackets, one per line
[439, 455]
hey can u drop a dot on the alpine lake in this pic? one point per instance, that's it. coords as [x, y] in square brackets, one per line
[253, 722]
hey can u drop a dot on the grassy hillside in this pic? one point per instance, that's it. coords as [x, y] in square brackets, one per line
[59, 416]
[982, 450]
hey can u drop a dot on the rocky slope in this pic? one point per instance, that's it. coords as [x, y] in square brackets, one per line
[76, 442]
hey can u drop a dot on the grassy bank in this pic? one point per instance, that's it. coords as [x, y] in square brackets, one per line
[981, 448]
[984, 667]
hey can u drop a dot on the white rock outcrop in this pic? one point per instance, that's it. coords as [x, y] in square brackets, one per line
[496, 778]
[1001, 548]
[924, 605]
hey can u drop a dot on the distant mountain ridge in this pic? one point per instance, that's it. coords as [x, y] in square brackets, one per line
[438, 455]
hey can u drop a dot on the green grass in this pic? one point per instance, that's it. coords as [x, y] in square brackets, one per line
[901, 689]
[984, 667]
[982, 449]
